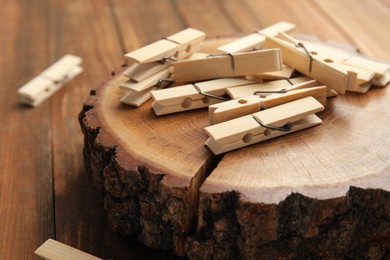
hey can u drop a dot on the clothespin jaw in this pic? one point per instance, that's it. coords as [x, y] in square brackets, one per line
[256, 40]
[228, 65]
[169, 47]
[153, 80]
[193, 96]
[260, 126]
[49, 81]
[231, 109]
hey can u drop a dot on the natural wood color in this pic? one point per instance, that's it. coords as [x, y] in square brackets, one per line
[280, 115]
[191, 96]
[277, 85]
[285, 73]
[228, 110]
[147, 83]
[54, 250]
[170, 46]
[50, 80]
[256, 40]
[40, 169]
[238, 64]
[335, 77]
[141, 71]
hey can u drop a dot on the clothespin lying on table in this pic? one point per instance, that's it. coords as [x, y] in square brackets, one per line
[155, 79]
[271, 86]
[54, 250]
[228, 65]
[154, 61]
[49, 81]
[319, 68]
[169, 47]
[369, 72]
[250, 129]
[256, 40]
[204, 94]
[231, 109]
[193, 96]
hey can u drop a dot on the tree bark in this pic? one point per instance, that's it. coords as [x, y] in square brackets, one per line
[322, 192]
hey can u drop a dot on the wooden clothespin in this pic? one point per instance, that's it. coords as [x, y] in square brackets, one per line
[256, 40]
[168, 48]
[156, 79]
[54, 250]
[319, 68]
[231, 109]
[369, 72]
[49, 81]
[285, 73]
[141, 71]
[263, 125]
[193, 96]
[228, 65]
[271, 86]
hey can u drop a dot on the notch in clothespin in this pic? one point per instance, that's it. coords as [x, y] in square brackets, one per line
[322, 69]
[250, 129]
[49, 81]
[256, 40]
[170, 47]
[261, 100]
[193, 96]
[228, 65]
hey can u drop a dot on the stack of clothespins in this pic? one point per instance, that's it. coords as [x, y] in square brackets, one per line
[251, 88]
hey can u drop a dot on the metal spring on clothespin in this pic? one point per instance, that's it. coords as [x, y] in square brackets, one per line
[232, 65]
[285, 128]
[301, 45]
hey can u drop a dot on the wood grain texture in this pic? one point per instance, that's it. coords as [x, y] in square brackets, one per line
[44, 191]
[26, 195]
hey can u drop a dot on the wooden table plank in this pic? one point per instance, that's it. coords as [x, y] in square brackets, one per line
[148, 22]
[45, 142]
[365, 22]
[304, 14]
[81, 221]
[207, 16]
[26, 197]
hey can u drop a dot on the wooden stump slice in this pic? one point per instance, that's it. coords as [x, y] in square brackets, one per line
[321, 192]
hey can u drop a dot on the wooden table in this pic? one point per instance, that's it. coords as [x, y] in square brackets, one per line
[44, 192]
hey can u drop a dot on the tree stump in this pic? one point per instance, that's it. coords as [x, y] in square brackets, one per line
[321, 192]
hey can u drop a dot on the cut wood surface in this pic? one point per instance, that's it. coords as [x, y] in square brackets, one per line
[240, 205]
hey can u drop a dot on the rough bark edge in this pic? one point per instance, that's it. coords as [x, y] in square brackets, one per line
[356, 226]
[137, 201]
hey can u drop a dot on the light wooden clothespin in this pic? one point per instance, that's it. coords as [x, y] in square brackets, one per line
[262, 100]
[319, 68]
[49, 81]
[193, 96]
[154, 62]
[369, 72]
[263, 125]
[54, 250]
[228, 65]
[271, 86]
[256, 40]
[156, 79]
[169, 47]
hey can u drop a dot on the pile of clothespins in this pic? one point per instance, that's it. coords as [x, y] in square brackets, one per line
[249, 88]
